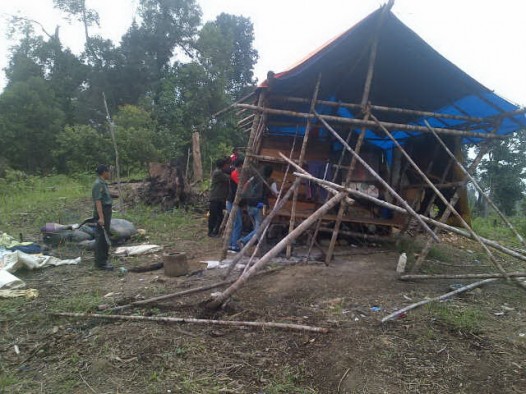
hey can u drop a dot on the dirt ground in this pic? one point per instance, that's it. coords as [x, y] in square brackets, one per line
[475, 343]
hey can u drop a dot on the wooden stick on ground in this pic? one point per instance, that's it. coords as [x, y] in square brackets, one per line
[462, 276]
[284, 326]
[394, 315]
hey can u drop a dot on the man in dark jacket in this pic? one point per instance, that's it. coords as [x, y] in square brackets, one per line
[102, 213]
[218, 195]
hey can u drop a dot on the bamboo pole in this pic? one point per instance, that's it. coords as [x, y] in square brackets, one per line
[444, 199]
[292, 222]
[341, 209]
[219, 300]
[475, 183]
[335, 188]
[381, 108]
[117, 160]
[189, 320]
[358, 146]
[396, 314]
[371, 124]
[379, 179]
[243, 178]
[463, 276]
[262, 227]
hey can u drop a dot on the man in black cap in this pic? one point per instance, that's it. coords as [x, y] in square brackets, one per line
[102, 213]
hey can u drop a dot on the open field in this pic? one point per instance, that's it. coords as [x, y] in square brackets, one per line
[475, 343]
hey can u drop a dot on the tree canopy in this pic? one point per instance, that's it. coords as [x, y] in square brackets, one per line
[164, 79]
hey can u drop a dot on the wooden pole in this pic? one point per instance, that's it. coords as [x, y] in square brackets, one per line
[379, 179]
[335, 188]
[197, 163]
[117, 161]
[380, 108]
[219, 300]
[463, 276]
[358, 146]
[189, 320]
[475, 183]
[444, 200]
[243, 177]
[371, 124]
[292, 222]
[396, 314]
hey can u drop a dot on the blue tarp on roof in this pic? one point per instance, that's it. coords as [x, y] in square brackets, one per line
[408, 74]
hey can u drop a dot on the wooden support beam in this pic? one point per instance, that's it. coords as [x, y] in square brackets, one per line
[371, 124]
[387, 187]
[292, 222]
[256, 124]
[381, 108]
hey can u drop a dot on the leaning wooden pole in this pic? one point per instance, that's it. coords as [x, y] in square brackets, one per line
[189, 320]
[264, 224]
[445, 216]
[379, 179]
[219, 300]
[334, 188]
[117, 160]
[443, 199]
[243, 178]
[477, 186]
[292, 222]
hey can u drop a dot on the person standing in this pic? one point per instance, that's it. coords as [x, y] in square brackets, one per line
[218, 195]
[102, 202]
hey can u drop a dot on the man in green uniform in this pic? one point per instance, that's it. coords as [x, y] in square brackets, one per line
[102, 214]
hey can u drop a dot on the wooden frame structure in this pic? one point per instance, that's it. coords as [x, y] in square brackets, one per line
[335, 194]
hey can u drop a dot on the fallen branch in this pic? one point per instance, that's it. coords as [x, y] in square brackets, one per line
[183, 293]
[394, 315]
[284, 326]
[463, 276]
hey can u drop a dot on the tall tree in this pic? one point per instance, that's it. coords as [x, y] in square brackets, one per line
[76, 9]
[30, 119]
[502, 173]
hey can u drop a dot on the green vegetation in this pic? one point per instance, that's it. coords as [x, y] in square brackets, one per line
[463, 319]
[81, 303]
[167, 76]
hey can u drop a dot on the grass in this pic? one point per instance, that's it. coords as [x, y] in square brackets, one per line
[463, 319]
[80, 303]
[33, 201]
[287, 381]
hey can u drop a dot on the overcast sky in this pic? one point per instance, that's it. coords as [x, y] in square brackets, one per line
[487, 39]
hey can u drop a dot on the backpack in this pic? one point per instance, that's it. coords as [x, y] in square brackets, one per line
[253, 192]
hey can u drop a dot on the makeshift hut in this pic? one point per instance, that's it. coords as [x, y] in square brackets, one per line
[368, 131]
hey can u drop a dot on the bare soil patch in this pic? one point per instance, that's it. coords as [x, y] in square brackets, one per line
[475, 343]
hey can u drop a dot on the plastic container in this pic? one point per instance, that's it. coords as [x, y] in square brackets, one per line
[175, 264]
